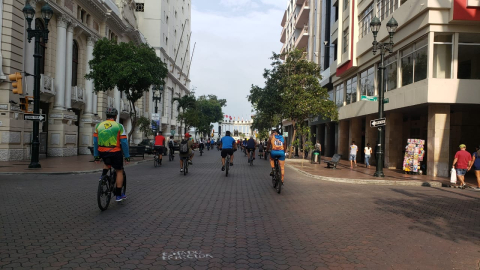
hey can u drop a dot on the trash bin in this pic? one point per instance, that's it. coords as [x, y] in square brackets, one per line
[316, 158]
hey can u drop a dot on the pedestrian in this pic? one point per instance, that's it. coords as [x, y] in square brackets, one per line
[476, 165]
[463, 162]
[368, 154]
[317, 151]
[353, 154]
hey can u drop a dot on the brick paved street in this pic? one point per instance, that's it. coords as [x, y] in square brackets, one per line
[207, 221]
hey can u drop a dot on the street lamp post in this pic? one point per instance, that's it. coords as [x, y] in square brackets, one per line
[383, 47]
[157, 99]
[29, 13]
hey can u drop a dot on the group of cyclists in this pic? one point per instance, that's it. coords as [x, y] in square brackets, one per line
[111, 146]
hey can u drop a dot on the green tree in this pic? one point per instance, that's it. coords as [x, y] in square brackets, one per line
[130, 67]
[209, 110]
[292, 91]
[185, 107]
[145, 126]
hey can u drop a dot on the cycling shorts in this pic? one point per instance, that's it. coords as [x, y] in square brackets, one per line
[114, 159]
[160, 149]
[226, 152]
[250, 150]
[277, 153]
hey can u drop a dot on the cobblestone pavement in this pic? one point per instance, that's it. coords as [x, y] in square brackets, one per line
[205, 220]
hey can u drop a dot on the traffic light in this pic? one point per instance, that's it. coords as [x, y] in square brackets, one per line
[24, 104]
[16, 79]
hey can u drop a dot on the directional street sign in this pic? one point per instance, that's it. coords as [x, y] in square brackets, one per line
[35, 117]
[386, 100]
[380, 122]
[369, 98]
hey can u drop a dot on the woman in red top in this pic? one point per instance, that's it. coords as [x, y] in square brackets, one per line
[159, 145]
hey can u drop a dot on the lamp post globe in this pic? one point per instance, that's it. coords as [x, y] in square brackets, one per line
[375, 26]
[29, 13]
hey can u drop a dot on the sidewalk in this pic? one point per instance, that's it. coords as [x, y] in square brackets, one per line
[60, 165]
[362, 175]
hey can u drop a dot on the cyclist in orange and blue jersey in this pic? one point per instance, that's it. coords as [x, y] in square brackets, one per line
[277, 147]
[109, 140]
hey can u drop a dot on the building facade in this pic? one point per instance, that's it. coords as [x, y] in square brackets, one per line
[431, 80]
[166, 25]
[67, 98]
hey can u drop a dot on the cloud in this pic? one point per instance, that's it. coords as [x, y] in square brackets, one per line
[240, 4]
[276, 3]
[232, 51]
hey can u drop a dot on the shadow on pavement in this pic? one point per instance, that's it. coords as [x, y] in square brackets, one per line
[450, 217]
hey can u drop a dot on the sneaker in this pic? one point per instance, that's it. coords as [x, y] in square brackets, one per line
[118, 198]
[231, 164]
[271, 173]
[190, 162]
[124, 196]
[181, 170]
[223, 168]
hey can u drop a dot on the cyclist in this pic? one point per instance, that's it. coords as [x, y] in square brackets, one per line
[171, 144]
[277, 148]
[208, 144]
[159, 146]
[251, 145]
[201, 144]
[109, 140]
[228, 145]
[186, 150]
[260, 149]
[244, 146]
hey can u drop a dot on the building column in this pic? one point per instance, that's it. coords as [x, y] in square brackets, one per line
[438, 139]
[117, 101]
[394, 145]
[68, 70]
[343, 135]
[62, 22]
[89, 83]
[2, 76]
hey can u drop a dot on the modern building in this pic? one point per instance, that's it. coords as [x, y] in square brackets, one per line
[432, 77]
[166, 25]
[67, 98]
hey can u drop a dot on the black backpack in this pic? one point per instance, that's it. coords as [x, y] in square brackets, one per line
[184, 147]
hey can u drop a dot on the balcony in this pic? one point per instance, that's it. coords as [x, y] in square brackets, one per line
[282, 51]
[300, 2]
[77, 94]
[303, 16]
[284, 19]
[283, 35]
[47, 87]
[110, 102]
[302, 40]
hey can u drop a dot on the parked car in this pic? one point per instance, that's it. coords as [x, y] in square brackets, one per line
[148, 143]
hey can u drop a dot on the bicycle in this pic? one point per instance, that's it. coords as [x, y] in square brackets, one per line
[106, 186]
[250, 158]
[156, 159]
[201, 151]
[266, 155]
[277, 177]
[185, 165]
[227, 164]
[170, 154]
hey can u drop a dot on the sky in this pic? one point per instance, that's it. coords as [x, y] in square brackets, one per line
[234, 41]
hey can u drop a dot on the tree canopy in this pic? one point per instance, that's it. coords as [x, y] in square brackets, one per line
[130, 67]
[292, 91]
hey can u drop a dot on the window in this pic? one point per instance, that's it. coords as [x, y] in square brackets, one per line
[367, 78]
[74, 63]
[385, 8]
[364, 21]
[414, 62]
[330, 95]
[345, 40]
[345, 4]
[339, 95]
[335, 7]
[469, 56]
[139, 7]
[335, 50]
[351, 90]
[39, 25]
[390, 80]
[442, 55]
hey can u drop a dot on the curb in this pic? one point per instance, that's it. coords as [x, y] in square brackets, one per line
[69, 173]
[369, 181]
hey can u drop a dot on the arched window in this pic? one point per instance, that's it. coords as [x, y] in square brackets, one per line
[74, 63]
[39, 25]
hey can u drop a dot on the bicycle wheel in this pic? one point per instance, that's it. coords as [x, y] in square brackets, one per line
[124, 187]
[227, 165]
[155, 161]
[104, 193]
[185, 166]
[279, 177]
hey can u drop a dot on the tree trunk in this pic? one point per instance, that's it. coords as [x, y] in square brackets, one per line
[293, 139]
[133, 120]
